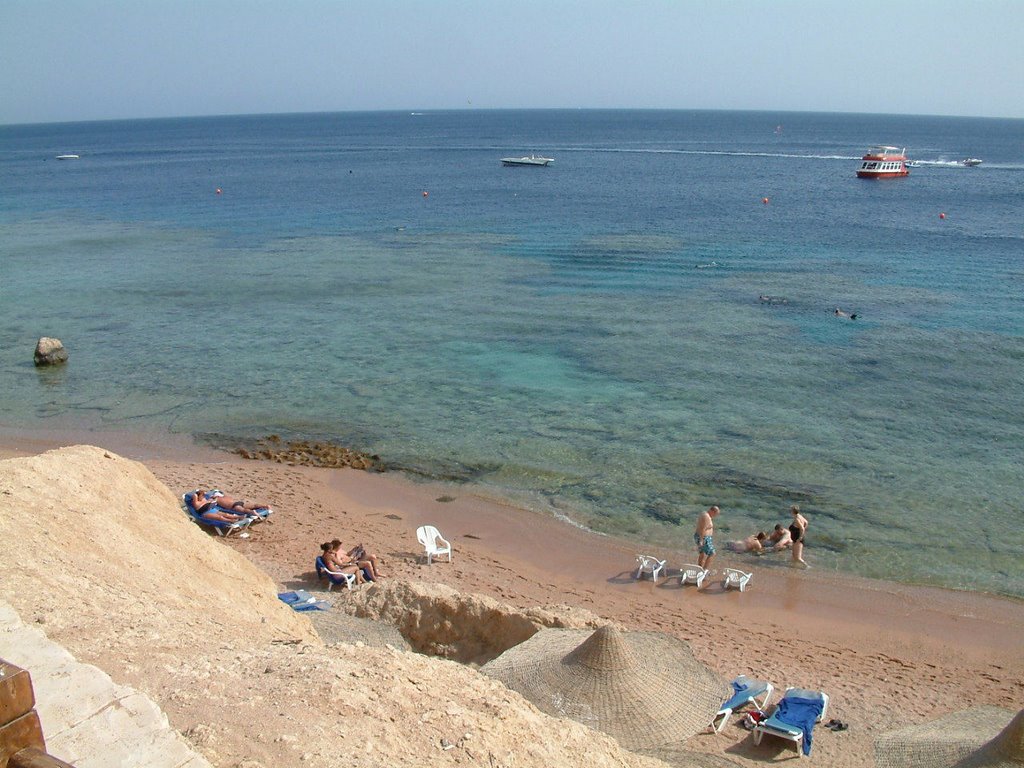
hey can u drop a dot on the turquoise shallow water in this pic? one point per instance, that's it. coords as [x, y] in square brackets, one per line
[585, 338]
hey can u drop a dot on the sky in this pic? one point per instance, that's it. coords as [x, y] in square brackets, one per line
[69, 60]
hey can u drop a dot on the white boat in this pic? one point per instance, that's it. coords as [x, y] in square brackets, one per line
[970, 162]
[529, 160]
[67, 157]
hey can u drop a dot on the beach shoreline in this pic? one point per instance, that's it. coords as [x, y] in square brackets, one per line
[886, 653]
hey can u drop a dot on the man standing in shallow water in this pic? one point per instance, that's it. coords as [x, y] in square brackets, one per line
[703, 537]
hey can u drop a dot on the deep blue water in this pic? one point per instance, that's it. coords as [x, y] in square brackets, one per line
[585, 338]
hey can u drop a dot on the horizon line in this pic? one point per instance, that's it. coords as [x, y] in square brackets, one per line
[423, 111]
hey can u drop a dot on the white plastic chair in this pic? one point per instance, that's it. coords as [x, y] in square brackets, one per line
[693, 574]
[433, 542]
[649, 564]
[737, 579]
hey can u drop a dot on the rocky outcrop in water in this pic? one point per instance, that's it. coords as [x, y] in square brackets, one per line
[310, 454]
[50, 352]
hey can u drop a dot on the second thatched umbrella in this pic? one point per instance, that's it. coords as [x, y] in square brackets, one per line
[643, 688]
[980, 737]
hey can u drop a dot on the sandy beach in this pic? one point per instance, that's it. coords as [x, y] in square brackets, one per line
[887, 654]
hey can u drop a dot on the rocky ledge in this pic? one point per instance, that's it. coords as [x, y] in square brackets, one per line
[310, 454]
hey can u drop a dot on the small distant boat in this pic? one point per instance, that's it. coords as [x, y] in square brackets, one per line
[970, 162]
[882, 162]
[529, 160]
[75, 157]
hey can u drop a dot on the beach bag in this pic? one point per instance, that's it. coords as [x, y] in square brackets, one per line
[752, 719]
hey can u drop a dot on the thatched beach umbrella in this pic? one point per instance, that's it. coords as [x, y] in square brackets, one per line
[982, 737]
[643, 688]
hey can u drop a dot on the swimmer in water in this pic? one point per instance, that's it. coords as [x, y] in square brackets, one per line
[840, 313]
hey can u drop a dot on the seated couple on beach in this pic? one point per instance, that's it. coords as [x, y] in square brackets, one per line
[215, 505]
[356, 561]
[763, 542]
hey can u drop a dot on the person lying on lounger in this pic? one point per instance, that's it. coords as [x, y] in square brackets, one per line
[330, 555]
[359, 556]
[226, 502]
[209, 510]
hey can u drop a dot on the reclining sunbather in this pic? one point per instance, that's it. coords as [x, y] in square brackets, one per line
[226, 502]
[208, 509]
[753, 544]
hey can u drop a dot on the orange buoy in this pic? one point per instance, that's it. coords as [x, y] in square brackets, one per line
[942, 215]
[764, 200]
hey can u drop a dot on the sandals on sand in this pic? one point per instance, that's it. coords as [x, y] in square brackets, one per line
[837, 725]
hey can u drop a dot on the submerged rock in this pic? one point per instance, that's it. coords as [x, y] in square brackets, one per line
[50, 352]
[310, 454]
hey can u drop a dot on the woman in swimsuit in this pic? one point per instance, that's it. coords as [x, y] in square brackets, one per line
[330, 556]
[797, 530]
[207, 508]
[224, 501]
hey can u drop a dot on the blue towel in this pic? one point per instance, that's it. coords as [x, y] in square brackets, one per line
[744, 690]
[300, 600]
[802, 713]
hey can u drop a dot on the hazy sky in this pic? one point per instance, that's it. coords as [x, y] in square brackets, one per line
[95, 59]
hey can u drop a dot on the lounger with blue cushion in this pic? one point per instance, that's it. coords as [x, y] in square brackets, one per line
[794, 718]
[745, 691]
[222, 527]
[301, 600]
[257, 515]
[333, 577]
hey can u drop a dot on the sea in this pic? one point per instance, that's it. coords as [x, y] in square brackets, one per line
[641, 329]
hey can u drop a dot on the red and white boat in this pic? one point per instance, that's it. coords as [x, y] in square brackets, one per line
[883, 163]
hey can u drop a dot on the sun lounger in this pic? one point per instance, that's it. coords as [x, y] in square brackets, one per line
[301, 600]
[745, 691]
[794, 718]
[693, 574]
[257, 515]
[649, 564]
[222, 527]
[734, 578]
[333, 577]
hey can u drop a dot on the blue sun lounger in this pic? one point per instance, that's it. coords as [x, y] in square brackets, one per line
[257, 515]
[301, 600]
[221, 527]
[794, 718]
[745, 691]
[333, 577]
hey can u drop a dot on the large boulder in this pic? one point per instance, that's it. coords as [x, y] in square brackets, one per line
[50, 352]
